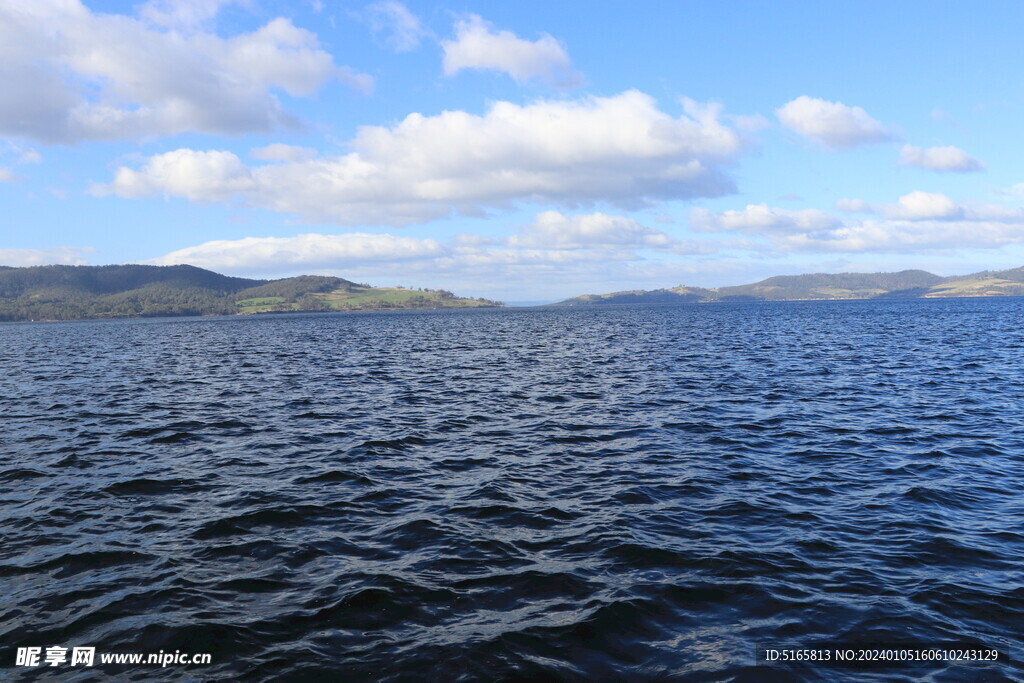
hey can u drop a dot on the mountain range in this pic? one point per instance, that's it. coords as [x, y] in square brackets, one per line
[120, 291]
[822, 286]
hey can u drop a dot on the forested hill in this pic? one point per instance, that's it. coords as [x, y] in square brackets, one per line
[78, 292]
[825, 286]
[100, 280]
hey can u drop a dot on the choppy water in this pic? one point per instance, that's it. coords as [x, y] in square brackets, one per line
[615, 493]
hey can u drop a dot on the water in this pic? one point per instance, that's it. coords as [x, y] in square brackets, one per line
[611, 493]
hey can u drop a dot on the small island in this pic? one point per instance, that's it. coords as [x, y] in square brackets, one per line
[129, 291]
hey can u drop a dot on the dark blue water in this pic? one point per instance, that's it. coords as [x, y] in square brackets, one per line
[622, 493]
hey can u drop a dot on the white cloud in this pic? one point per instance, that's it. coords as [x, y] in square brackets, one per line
[71, 256]
[555, 230]
[70, 74]
[199, 176]
[834, 125]
[302, 251]
[918, 205]
[761, 218]
[6, 175]
[402, 27]
[281, 152]
[620, 149]
[181, 14]
[918, 221]
[904, 236]
[940, 159]
[478, 45]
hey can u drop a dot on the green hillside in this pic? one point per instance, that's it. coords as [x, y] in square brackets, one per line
[825, 286]
[81, 292]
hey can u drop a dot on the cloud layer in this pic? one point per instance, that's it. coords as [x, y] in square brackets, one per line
[268, 254]
[622, 150]
[554, 230]
[553, 241]
[70, 74]
[762, 219]
[70, 256]
[477, 45]
[833, 125]
[917, 221]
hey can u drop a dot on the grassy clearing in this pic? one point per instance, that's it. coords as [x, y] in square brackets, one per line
[368, 298]
[358, 298]
[260, 301]
[263, 304]
[981, 287]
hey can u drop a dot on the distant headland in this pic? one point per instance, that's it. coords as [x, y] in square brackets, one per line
[906, 284]
[128, 291]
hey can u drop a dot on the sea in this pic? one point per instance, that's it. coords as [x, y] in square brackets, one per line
[616, 493]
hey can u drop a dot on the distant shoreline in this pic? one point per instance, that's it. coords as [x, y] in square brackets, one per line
[906, 284]
[551, 306]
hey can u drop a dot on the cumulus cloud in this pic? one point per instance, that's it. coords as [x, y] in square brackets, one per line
[69, 256]
[621, 149]
[199, 176]
[401, 28]
[761, 218]
[478, 45]
[918, 205]
[833, 125]
[70, 74]
[939, 159]
[918, 221]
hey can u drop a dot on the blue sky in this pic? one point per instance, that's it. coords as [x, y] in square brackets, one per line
[521, 151]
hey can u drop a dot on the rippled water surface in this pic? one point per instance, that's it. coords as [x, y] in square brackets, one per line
[612, 493]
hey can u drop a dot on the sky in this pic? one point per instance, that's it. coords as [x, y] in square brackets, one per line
[526, 151]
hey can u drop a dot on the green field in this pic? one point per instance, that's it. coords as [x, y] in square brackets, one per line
[992, 286]
[360, 298]
[372, 298]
